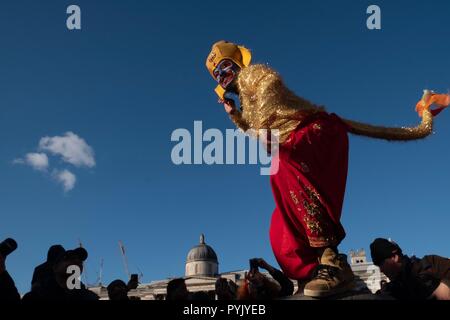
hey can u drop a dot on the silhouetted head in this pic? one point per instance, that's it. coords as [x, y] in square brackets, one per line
[387, 255]
[67, 259]
[225, 289]
[54, 252]
[117, 290]
[177, 290]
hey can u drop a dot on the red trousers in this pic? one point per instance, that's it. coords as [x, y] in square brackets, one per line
[309, 190]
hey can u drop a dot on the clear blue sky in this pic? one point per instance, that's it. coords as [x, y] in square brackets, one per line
[135, 72]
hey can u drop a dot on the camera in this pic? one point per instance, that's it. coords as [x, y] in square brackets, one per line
[134, 282]
[134, 277]
[7, 246]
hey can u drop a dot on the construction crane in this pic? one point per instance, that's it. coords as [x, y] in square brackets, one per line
[100, 274]
[141, 275]
[98, 282]
[124, 258]
[132, 278]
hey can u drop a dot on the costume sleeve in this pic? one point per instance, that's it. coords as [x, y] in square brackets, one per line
[236, 117]
[267, 102]
[257, 78]
[259, 86]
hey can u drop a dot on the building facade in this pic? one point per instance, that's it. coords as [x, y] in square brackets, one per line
[202, 272]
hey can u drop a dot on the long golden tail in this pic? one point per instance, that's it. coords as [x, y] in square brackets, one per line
[424, 129]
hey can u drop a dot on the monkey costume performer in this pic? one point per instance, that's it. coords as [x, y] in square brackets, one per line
[309, 184]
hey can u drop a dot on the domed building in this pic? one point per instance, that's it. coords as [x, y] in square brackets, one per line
[202, 271]
[202, 261]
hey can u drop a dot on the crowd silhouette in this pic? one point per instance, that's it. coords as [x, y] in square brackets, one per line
[411, 278]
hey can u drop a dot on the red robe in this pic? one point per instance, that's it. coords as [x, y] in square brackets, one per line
[309, 190]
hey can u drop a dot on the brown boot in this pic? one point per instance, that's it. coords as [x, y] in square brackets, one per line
[333, 276]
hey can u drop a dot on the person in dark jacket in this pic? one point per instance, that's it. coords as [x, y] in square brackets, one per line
[56, 287]
[411, 278]
[226, 289]
[118, 291]
[8, 290]
[44, 271]
[177, 290]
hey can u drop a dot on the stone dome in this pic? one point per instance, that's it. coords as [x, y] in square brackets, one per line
[201, 252]
[202, 261]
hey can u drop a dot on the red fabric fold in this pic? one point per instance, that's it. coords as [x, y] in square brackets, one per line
[309, 189]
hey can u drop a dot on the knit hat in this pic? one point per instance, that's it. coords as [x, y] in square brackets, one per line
[381, 249]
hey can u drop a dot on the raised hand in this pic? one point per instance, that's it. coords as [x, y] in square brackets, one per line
[229, 105]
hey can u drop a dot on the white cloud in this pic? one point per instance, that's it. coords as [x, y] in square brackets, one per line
[38, 161]
[66, 178]
[71, 148]
[18, 161]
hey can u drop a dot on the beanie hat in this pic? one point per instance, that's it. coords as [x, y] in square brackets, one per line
[381, 249]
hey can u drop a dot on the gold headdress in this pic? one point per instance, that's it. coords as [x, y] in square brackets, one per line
[226, 50]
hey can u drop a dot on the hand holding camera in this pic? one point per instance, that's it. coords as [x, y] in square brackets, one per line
[260, 263]
[254, 265]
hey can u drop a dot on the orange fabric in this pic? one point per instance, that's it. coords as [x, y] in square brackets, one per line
[440, 100]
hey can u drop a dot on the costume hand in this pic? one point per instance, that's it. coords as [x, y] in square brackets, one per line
[229, 105]
[429, 98]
